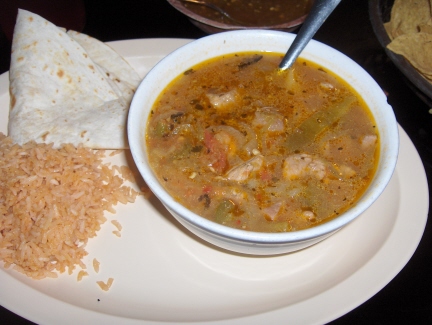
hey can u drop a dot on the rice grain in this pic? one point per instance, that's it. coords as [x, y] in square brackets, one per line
[117, 225]
[51, 202]
[81, 274]
[96, 265]
[105, 286]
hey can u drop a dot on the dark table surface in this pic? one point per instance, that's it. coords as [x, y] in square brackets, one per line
[407, 299]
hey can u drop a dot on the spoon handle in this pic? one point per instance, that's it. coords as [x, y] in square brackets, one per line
[320, 10]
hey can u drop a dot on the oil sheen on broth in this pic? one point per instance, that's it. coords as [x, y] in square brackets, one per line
[240, 143]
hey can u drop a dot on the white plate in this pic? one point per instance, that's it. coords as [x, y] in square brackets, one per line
[164, 274]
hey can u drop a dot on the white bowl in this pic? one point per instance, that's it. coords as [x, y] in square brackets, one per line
[242, 241]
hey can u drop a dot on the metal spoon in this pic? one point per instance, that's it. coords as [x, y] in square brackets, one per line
[214, 7]
[320, 10]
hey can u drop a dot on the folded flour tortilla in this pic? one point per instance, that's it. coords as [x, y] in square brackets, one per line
[67, 87]
[115, 67]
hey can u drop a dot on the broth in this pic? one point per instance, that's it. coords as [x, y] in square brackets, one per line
[242, 144]
[255, 12]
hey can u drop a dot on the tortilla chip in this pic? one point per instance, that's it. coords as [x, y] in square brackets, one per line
[426, 28]
[59, 93]
[407, 15]
[389, 29]
[410, 31]
[416, 48]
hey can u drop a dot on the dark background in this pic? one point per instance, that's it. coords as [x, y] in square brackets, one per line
[407, 299]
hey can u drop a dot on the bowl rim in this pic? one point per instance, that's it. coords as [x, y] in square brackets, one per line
[178, 4]
[139, 151]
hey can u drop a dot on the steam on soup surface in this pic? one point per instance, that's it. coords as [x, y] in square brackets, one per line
[240, 143]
